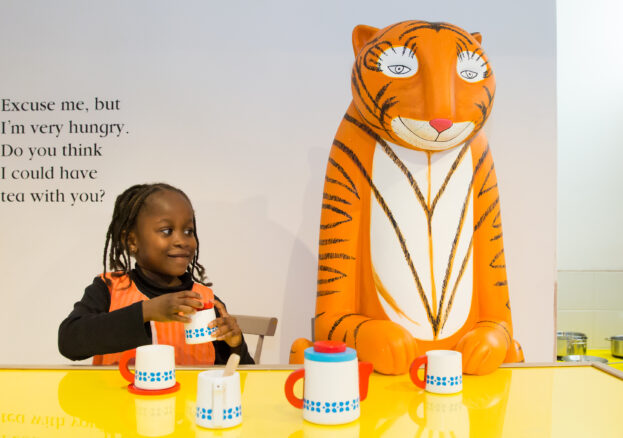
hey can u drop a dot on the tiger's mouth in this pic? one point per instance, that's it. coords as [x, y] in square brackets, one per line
[423, 135]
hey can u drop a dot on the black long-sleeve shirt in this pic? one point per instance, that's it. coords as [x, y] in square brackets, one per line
[91, 329]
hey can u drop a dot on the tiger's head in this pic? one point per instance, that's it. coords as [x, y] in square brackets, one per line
[425, 86]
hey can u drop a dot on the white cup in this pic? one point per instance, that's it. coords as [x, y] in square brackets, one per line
[443, 371]
[335, 384]
[154, 367]
[155, 416]
[197, 330]
[218, 400]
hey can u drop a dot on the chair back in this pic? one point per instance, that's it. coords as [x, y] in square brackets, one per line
[257, 325]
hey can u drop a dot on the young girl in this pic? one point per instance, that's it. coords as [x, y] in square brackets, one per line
[123, 309]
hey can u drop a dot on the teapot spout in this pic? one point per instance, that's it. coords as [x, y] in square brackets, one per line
[365, 369]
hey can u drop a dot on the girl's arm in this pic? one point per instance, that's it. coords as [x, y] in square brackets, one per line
[91, 329]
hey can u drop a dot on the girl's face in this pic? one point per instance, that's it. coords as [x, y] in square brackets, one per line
[163, 241]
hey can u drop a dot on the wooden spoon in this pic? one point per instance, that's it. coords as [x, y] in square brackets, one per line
[231, 365]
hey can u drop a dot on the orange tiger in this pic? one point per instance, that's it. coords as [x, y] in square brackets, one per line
[411, 256]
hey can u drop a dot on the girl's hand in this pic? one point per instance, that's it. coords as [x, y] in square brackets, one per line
[228, 329]
[172, 307]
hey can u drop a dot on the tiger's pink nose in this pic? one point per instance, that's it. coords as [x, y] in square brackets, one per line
[440, 125]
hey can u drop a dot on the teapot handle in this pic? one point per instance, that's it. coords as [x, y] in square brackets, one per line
[365, 369]
[289, 388]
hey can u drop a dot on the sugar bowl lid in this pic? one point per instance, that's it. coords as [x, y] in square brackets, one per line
[330, 351]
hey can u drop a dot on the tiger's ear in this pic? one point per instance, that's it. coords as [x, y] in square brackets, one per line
[477, 36]
[361, 35]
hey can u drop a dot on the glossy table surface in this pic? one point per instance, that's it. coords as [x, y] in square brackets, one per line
[539, 401]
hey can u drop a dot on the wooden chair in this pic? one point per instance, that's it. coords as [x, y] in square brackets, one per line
[257, 325]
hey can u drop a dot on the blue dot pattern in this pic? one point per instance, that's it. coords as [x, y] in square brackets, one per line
[331, 407]
[444, 381]
[228, 414]
[199, 332]
[157, 376]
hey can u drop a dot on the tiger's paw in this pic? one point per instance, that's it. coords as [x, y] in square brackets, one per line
[483, 350]
[514, 354]
[389, 346]
[297, 350]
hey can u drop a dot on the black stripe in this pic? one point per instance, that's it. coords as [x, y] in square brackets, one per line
[387, 104]
[323, 293]
[495, 257]
[329, 197]
[356, 332]
[334, 181]
[332, 279]
[331, 241]
[496, 220]
[382, 91]
[337, 165]
[455, 166]
[336, 210]
[484, 183]
[486, 213]
[508, 335]
[334, 255]
[336, 323]
[456, 283]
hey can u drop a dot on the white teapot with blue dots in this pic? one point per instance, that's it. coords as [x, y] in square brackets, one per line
[335, 383]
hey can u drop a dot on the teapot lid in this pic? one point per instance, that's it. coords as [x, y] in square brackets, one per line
[330, 351]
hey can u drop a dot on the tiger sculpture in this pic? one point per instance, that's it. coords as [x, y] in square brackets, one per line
[411, 256]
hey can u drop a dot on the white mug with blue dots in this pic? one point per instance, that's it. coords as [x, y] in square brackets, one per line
[197, 330]
[443, 371]
[154, 368]
[218, 400]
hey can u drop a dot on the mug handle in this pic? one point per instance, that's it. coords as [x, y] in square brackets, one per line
[218, 396]
[289, 388]
[123, 365]
[415, 366]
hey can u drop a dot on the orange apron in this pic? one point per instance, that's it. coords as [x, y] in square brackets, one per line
[170, 333]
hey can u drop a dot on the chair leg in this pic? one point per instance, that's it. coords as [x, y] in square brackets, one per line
[258, 349]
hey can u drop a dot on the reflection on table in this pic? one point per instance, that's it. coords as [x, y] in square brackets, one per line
[561, 401]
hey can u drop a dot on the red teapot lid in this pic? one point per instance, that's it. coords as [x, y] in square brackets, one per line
[329, 347]
[330, 351]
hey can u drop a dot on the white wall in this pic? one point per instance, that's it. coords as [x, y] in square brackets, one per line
[237, 103]
[590, 111]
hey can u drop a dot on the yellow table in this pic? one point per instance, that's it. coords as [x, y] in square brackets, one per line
[606, 354]
[536, 401]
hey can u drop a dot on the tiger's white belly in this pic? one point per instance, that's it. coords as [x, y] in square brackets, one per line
[432, 258]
